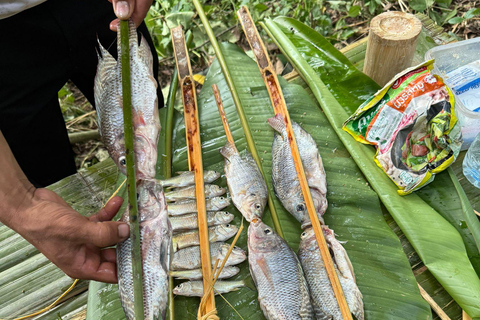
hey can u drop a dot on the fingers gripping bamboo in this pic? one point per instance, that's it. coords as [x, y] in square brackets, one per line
[280, 107]
[195, 163]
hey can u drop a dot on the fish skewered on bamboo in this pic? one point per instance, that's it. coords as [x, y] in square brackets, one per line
[190, 221]
[196, 274]
[187, 178]
[190, 206]
[321, 291]
[216, 233]
[189, 258]
[282, 289]
[245, 182]
[284, 176]
[185, 193]
[195, 288]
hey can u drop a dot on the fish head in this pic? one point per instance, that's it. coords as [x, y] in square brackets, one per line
[216, 189]
[183, 288]
[220, 202]
[262, 238]
[297, 207]
[117, 153]
[238, 255]
[308, 240]
[254, 203]
[211, 175]
[145, 147]
[223, 217]
[226, 230]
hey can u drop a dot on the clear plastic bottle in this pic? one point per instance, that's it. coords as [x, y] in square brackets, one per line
[471, 163]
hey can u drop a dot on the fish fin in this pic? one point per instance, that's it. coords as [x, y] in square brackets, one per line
[228, 150]
[265, 269]
[278, 123]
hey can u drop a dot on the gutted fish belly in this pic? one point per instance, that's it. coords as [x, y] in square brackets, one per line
[190, 206]
[184, 193]
[282, 289]
[216, 233]
[155, 239]
[190, 221]
[108, 101]
[196, 274]
[189, 258]
[187, 178]
[245, 182]
[323, 297]
[195, 288]
[284, 174]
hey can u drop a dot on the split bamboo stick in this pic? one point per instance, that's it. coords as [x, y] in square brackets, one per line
[279, 106]
[465, 316]
[441, 314]
[221, 110]
[195, 163]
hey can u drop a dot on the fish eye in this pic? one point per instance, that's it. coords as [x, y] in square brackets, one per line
[258, 206]
[300, 207]
[267, 231]
[123, 161]
[221, 198]
[303, 234]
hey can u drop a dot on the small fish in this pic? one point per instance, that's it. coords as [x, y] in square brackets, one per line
[190, 206]
[211, 190]
[196, 274]
[323, 298]
[190, 221]
[245, 182]
[216, 233]
[282, 289]
[187, 178]
[284, 175]
[195, 288]
[108, 101]
[189, 258]
[155, 239]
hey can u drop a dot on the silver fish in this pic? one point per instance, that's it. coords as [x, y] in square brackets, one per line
[108, 101]
[190, 206]
[211, 190]
[282, 289]
[195, 288]
[245, 182]
[155, 239]
[216, 233]
[284, 175]
[190, 221]
[189, 258]
[323, 298]
[187, 178]
[196, 274]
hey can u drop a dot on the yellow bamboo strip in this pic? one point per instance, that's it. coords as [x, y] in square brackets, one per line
[441, 314]
[280, 107]
[476, 212]
[195, 163]
[221, 110]
[465, 316]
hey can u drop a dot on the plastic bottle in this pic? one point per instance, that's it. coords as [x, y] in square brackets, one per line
[471, 163]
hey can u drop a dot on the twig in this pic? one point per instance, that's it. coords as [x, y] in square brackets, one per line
[83, 136]
[73, 121]
[441, 314]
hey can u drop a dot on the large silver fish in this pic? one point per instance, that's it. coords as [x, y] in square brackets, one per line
[245, 182]
[284, 175]
[282, 289]
[323, 298]
[189, 258]
[155, 239]
[108, 101]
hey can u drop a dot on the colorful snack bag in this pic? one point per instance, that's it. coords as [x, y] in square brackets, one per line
[411, 122]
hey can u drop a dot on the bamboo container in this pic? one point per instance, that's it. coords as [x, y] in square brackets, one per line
[391, 44]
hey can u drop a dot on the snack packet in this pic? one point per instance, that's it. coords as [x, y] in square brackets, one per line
[411, 122]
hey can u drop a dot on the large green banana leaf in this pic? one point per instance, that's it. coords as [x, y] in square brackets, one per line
[437, 242]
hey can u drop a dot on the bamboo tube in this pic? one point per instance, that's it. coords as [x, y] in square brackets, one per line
[391, 44]
[131, 179]
[280, 107]
[441, 314]
[192, 129]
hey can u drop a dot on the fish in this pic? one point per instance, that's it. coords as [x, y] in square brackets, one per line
[190, 221]
[245, 182]
[184, 193]
[282, 289]
[216, 233]
[187, 178]
[155, 240]
[189, 258]
[190, 206]
[109, 105]
[195, 288]
[196, 274]
[284, 175]
[323, 297]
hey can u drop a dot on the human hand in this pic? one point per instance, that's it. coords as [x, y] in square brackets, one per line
[71, 241]
[124, 9]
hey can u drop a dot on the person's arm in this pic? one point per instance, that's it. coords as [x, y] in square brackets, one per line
[124, 9]
[71, 241]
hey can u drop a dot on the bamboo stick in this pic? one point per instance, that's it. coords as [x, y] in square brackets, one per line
[465, 316]
[192, 129]
[226, 127]
[241, 114]
[131, 179]
[280, 107]
[441, 314]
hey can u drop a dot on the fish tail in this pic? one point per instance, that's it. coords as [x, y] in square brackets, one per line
[228, 150]
[248, 283]
[277, 123]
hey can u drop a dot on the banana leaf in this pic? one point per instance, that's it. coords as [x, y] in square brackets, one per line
[437, 242]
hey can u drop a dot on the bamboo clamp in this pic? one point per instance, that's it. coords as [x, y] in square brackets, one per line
[279, 106]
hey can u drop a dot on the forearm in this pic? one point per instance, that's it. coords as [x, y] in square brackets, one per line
[16, 192]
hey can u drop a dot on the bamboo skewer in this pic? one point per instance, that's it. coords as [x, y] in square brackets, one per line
[280, 107]
[465, 316]
[226, 127]
[438, 310]
[195, 163]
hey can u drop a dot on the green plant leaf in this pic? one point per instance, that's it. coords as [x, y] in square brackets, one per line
[354, 11]
[418, 5]
[471, 13]
[455, 20]
[442, 252]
